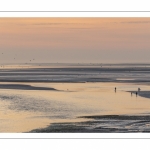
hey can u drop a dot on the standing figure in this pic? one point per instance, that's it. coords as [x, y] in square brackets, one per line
[139, 89]
[115, 89]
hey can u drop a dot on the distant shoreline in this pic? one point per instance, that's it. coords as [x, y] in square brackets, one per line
[89, 81]
[77, 74]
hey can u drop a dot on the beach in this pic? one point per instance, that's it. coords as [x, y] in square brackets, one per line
[75, 98]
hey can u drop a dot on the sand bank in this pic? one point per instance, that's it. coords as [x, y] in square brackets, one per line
[23, 87]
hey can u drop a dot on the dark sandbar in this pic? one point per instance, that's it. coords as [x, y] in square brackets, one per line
[23, 87]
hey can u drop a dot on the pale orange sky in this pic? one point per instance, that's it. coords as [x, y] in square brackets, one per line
[111, 40]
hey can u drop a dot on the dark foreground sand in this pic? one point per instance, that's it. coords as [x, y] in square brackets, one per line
[101, 124]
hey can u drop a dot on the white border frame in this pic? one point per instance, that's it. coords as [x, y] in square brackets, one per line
[14, 9]
[75, 14]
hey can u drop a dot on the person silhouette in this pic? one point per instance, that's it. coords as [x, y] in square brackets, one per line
[136, 93]
[139, 89]
[131, 93]
[115, 89]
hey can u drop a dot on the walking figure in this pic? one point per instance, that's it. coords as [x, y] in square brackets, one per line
[136, 93]
[115, 89]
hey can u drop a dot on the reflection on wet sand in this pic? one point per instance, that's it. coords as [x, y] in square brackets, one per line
[26, 110]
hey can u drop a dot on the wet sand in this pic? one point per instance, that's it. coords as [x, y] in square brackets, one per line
[112, 113]
[103, 123]
[75, 100]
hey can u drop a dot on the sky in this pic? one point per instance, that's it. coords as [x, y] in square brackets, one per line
[75, 40]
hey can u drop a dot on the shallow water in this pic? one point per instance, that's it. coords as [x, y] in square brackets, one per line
[25, 110]
[75, 73]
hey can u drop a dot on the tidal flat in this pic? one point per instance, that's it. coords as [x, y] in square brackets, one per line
[75, 98]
